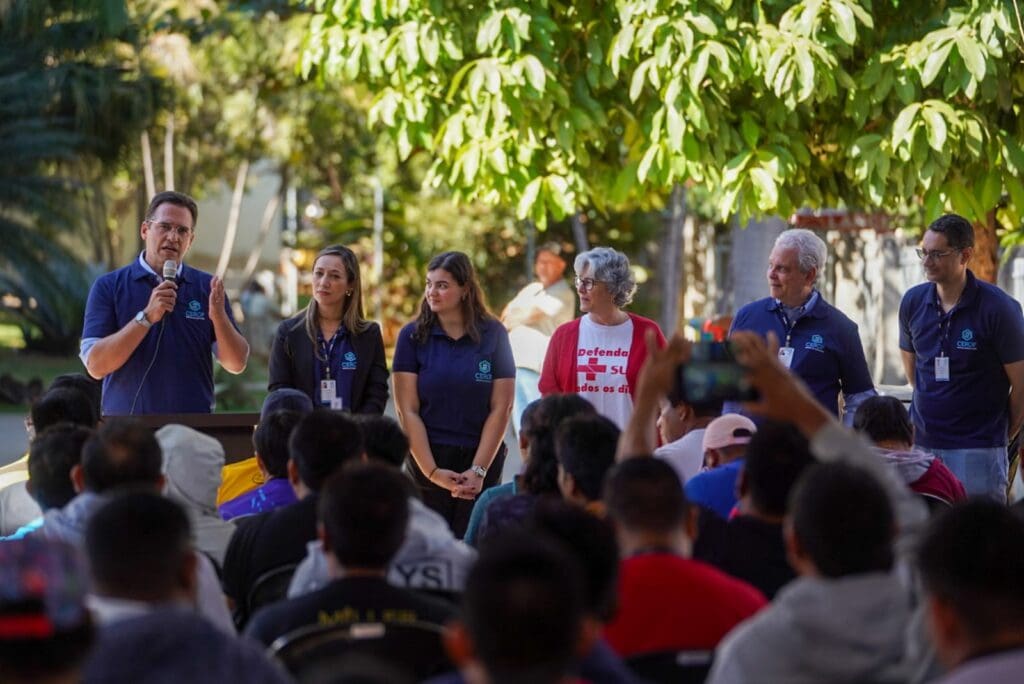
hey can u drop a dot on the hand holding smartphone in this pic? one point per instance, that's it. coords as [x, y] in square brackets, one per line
[713, 375]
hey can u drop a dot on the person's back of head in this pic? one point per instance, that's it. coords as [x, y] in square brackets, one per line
[841, 521]
[776, 458]
[541, 473]
[591, 541]
[192, 464]
[585, 447]
[90, 387]
[121, 453]
[51, 457]
[364, 510]
[45, 628]
[63, 405]
[286, 398]
[884, 419]
[522, 609]
[321, 443]
[643, 494]
[270, 440]
[971, 566]
[383, 439]
[139, 548]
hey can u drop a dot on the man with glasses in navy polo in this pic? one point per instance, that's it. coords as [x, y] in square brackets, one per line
[152, 327]
[962, 342]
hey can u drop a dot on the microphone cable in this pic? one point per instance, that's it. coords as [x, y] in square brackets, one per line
[159, 336]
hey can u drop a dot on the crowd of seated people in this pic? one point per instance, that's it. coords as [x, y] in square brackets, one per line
[799, 551]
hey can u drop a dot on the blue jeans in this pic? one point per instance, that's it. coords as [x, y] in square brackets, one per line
[983, 472]
[527, 392]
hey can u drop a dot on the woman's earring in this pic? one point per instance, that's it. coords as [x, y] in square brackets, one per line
[349, 293]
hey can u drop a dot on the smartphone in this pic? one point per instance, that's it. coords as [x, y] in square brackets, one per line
[713, 375]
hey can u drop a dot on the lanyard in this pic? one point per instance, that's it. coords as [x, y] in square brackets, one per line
[327, 349]
[945, 323]
[786, 324]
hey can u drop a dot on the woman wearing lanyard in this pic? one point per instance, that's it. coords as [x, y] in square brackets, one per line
[329, 351]
[454, 384]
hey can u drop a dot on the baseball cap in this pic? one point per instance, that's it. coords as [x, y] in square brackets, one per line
[286, 398]
[42, 588]
[728, 430]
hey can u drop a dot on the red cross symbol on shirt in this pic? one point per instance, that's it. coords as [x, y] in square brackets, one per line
[591, 369]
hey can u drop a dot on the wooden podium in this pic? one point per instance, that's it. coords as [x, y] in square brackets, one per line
[232, 430]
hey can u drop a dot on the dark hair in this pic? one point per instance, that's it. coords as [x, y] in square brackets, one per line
[474, 307]
[352, 318]
[270, 440]
[884, 419]
[585, 446]
[591, 541]
[322, 442]
[88, 386]
[645, 494]
[122, 452]
[63, 405]
[776, 458]
[365, 509]
[970, 557]
[52, 455]
[383, 439]
[523, 608]
[958, 231]
[176, 198]
[136, 544]
[712, 408]
[541, 473]
[843, 520]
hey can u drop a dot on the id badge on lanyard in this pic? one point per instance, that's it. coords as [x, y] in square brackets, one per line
[328, 385]
[786, 352]
[941, 368]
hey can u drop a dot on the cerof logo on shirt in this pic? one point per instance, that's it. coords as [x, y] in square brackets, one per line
[967, 340]
[817, 343]
[348, 361]
[483, 373]
[194, 310]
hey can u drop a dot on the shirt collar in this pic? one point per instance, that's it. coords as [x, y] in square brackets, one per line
[810, 308]
[143, 269]
[967, 297]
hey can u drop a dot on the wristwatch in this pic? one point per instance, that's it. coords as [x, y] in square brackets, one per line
[141, 319]
[479, 470]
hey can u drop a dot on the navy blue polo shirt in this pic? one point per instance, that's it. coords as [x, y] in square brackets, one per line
[181, 377]
[340, 366]
[454, 379]
[827, 353]
[982, 333]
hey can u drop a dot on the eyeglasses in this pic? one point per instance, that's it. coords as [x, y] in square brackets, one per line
[585, 284]
[934, 255]
[164, 228]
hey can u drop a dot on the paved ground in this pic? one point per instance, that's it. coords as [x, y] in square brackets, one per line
[13, 440]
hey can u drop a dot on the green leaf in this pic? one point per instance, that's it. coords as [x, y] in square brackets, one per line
[901, 129]
[498, 160]
[410, 46]
[488, 32]
[936, 128]
[1015, 188]
[676, 127]
[557, 190]
[842, 17]
[936, 60]
[750, 130]
[972, 54]
[766, 189]
[470, 163]
[805, 71]
[991, 190]
[528, 198]
[636, 84]
[698, 70]
[368, 9]
[430, 45]
[535, 74]
[645, 163]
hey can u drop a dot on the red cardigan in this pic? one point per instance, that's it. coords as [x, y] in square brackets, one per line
[559, 373]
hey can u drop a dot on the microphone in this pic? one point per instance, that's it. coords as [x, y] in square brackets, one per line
[170, 269]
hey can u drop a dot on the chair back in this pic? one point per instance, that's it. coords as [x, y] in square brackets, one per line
[677, 667]
[270, 587]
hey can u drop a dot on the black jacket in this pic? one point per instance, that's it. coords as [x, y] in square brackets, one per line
[292, 362]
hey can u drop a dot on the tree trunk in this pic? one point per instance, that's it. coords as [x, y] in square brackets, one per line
[985, 262]
[579, 231]
[265, 224]
[147, 165]
[378, 249]
[671, 264]
[169, 155]
[233, 217]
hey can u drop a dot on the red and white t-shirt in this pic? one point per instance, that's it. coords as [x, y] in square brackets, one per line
[601, 357]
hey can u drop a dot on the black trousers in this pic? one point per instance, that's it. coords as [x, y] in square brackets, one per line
[455, 511]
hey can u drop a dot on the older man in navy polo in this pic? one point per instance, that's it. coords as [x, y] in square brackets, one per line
[962, 342]
[152, 327]
[818, 342]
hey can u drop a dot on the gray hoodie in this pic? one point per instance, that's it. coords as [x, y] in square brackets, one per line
[429, 558]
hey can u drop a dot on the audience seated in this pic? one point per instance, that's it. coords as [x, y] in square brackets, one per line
[585, 449]
[845, 617]
[244, 476]
[507, 489]
[51, 456]
[885, 421]
[192, 471]
[143, 568]
[540, 478]
[430, 558]
[750, 546]
[364, 512]
[725, 444]
[681, 427]
[522, 615]
[971, 565]
[123, 454]
[666, 600]
[321, 443]
[270, 441]
[45, 629]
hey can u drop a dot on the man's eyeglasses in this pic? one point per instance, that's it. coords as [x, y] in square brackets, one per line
[164, 228]
[934, 254]
[585, 284]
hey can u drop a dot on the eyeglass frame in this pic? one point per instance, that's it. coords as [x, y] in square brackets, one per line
[935, 255]
[165, 227]
[582, 283]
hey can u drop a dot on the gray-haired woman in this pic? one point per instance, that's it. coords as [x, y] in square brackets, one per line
[599, 355]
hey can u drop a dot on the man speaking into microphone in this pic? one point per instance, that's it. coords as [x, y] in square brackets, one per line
[152, 327]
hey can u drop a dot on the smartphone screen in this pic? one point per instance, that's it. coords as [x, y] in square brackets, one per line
[713, 375]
